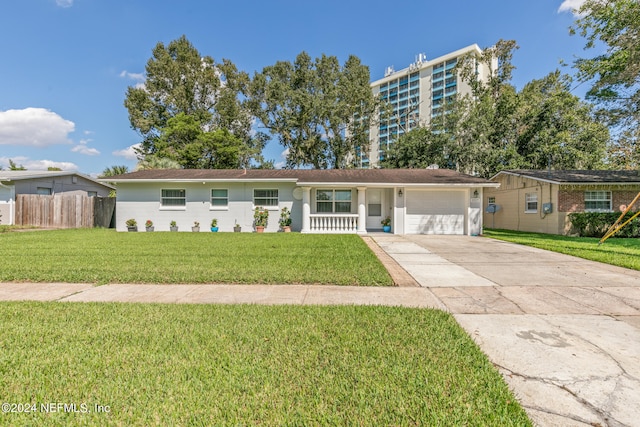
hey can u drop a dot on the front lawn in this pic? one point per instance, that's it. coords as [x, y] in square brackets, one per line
[161, 364]
[106, 256]
[615, 251]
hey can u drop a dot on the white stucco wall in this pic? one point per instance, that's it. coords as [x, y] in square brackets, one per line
[141, 201]
[474, 227]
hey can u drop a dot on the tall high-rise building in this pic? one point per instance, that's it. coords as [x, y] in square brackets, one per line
[416, 95]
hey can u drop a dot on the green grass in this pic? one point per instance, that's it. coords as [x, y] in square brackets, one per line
[6, 228]
[620, 252]
[106, 256]
[155, 364]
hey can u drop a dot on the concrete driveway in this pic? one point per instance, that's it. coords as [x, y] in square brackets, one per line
[564, 332]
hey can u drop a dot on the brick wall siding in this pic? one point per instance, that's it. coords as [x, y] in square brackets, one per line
[570, 201]
[619, 198]
[573, 200]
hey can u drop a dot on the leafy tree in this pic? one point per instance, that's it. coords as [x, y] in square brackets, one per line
[614, 74]
[114, 170]
[625, 152]
[155, 162]
[318, 109]
[15, 167]
[267, 164]
[184, 141]
[53, 168]
[184, 89]
[616, 23]
[556, 126]
[481, 124]
[418, 148]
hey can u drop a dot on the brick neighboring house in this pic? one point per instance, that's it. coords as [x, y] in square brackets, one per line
[541, 200]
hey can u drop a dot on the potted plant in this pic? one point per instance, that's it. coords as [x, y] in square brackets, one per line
[386, 224]
[196, 227]
[148, 225]
[285, 220]
[173, 226]
[260, 219]
[132, 225]
[237, 228]
[214, 225]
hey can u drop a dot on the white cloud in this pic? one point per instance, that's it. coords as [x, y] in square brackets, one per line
[82, 148]
[571, 6]
[64, 3]
[283, 160]
[132, 76]
[128, 153]
[35, 127]
[37, 165]
[137, 77]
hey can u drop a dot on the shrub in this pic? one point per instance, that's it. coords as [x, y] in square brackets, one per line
[260, 217]
[595, 224]
[285, 217]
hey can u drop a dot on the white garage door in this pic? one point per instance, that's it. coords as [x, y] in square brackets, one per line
[435, 212]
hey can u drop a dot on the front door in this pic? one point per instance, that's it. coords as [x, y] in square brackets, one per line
[375, 208]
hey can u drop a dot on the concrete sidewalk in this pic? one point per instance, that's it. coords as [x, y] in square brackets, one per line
[221, 294]
[563, 331]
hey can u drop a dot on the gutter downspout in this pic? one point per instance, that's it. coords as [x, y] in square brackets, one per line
[12, 202]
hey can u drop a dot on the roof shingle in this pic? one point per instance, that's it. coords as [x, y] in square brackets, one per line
[579, 176]
[301, 176]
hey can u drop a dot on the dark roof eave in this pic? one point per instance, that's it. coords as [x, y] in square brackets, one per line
[371, 177]
[583, 181]
[400, 184]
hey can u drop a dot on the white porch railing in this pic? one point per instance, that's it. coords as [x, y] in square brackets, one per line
[334, 223]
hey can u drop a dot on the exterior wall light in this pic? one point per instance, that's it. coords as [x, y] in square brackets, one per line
[400, 192]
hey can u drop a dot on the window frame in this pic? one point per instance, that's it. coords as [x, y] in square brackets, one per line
[263, 205]
[164, 198]
[529, 198]
[333, 200]
[608, 198]
[44, 191]
[213, 207]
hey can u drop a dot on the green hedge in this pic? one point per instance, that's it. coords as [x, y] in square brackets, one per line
[595, 224]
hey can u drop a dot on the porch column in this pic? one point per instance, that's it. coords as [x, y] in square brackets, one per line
[306, 210]
[362, 211]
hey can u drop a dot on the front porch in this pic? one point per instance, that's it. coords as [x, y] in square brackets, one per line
[336, 210]
[416, 209]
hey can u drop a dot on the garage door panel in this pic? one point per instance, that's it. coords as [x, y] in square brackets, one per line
[436, 224]
[435, 212]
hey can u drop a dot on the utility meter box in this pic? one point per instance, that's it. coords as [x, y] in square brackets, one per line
[547, 208]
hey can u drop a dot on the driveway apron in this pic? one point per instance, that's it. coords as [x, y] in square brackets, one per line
[564, 332]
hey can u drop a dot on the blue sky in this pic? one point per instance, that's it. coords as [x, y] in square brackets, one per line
[65, 65]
